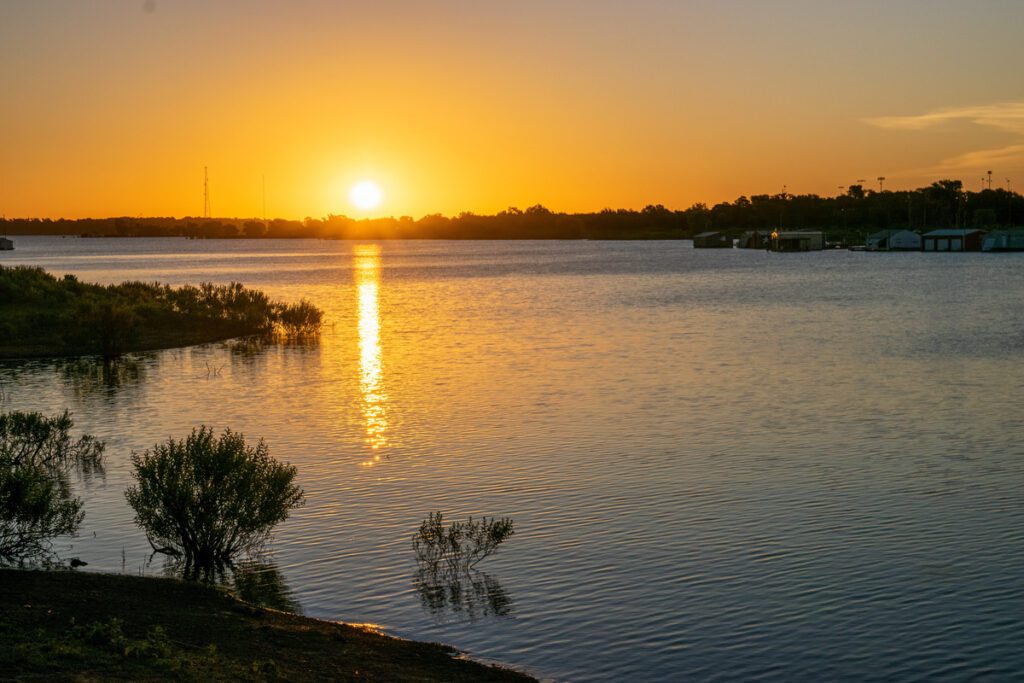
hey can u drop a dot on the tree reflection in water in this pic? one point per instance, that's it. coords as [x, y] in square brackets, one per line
[93, 376]
[263, 585]
[253, 348]
[468, 594]
[256, 582]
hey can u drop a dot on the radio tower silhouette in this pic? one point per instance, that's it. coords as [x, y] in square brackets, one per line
[206, 194]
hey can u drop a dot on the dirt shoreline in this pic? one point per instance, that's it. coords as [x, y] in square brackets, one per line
[72, 625]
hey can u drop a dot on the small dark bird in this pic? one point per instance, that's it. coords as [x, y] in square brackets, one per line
[75, 562]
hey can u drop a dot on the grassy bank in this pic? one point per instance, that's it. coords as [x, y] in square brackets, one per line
[41, 315]
[65, 625]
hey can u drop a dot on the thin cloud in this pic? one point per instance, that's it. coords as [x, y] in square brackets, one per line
[1007, 117]
[1002, 157]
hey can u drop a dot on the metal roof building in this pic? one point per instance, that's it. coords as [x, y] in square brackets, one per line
[894, 240]
[953, 239]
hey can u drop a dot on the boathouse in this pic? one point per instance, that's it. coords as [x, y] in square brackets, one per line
[1003, 240]
[797, 240]
[712, 240]
[952, 239]
[755, 239]
[894, 240]
[6, 244]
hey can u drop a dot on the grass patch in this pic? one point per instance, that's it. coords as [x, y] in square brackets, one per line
[68, 625]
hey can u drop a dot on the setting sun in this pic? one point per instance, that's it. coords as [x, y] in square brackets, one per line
[366, 195]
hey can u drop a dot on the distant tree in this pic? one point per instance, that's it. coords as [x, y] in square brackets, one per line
[984, 218]
[945, 195]
[254, 229]
[698, 218]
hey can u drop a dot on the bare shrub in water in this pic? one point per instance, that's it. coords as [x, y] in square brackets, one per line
[37, 454]
[461, 545]
[299, 319]
[206, 500]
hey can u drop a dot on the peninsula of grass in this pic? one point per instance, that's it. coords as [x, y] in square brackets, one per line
[43, 316]
[65, 625]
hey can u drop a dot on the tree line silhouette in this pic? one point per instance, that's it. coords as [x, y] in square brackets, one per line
[943, 204]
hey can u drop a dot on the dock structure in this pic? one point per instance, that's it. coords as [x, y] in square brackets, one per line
[712, 240]
[755, 239]
[953, 239]
[797, 240]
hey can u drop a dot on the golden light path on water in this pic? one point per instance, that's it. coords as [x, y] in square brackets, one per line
[371, 384]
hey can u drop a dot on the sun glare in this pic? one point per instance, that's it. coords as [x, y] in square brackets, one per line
[366, 195]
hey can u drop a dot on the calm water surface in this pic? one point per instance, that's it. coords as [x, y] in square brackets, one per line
[722, 465]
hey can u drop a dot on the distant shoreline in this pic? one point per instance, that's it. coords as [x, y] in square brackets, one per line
[846, 218]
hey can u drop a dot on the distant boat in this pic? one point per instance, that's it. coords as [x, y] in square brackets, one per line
[6, 244]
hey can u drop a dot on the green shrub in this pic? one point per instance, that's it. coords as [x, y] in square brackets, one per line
[206, 500]
[37, 454]
[105, 635]
[109, 328]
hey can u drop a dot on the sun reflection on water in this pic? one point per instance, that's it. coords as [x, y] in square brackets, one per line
[371, 384]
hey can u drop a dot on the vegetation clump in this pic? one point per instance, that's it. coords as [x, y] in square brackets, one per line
[37, 454]
[41, 315]
[446, 579]
[461, 545]
[206, 500]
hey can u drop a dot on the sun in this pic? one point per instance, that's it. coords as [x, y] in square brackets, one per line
[366, 195]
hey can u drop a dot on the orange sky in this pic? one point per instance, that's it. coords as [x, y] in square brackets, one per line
[114, 108]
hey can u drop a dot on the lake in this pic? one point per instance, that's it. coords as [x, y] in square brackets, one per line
[722, 464]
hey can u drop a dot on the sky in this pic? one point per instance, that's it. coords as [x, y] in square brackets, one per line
[115, 107]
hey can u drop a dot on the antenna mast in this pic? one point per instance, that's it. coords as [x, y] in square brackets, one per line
[206, 193]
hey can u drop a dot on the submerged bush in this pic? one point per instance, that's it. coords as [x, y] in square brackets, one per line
[37, 453]
[461, 545]
[300, 319]
[206, 500]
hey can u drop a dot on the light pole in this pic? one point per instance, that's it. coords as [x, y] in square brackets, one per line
[881, 180]
[782, 207]
[842, 210]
